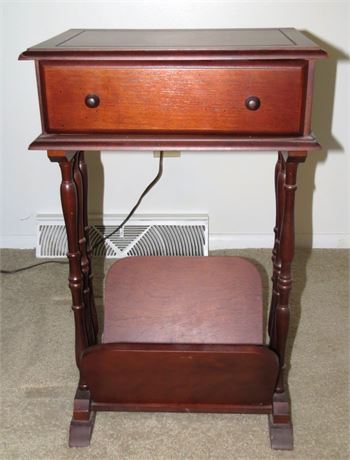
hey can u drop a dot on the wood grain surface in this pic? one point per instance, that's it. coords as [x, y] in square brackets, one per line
[174, 99]
[228, 378]
[183, 300]
[193, 142]
[176, 43]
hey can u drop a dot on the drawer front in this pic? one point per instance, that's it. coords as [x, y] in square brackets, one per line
[252, 98]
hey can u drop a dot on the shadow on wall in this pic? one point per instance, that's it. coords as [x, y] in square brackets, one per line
[322, 116]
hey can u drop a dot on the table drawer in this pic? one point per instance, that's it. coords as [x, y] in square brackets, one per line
[254, 98]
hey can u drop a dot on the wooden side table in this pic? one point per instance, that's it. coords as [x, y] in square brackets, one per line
[181, 334]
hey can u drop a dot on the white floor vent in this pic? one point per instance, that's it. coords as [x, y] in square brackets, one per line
[142, 236]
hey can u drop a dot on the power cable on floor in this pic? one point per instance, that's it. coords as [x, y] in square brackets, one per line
[147, 189]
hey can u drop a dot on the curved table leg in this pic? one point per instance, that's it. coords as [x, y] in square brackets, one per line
[281, 432]
[84, 174]
[72, 206]
[279, 197]
[81, 185]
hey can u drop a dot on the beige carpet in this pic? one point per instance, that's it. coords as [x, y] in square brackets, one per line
[38, 375]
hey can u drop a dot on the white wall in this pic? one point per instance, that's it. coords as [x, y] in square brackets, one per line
[235, 189]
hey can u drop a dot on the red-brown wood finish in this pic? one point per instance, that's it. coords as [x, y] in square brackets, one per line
[183, 300]
[84, 260]
[279, 196]
[70, 207]
[180, 334]
[193, 142]
[83, 420]
[285, 187]
[164, 375]
[285, 256]
[175, 98]
[170, 44]
[84, 204]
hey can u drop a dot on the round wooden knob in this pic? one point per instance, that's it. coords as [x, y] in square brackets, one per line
[252, 103]
[92, 101]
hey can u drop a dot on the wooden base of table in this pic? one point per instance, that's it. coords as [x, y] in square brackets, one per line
[80, 432]
[83, 420]
[281, 435]
[280, 425]
[182, 334]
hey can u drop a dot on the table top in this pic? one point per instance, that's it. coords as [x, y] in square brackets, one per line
[176, 49]
[87, 42]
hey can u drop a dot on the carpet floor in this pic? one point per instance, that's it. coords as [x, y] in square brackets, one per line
[38, 374]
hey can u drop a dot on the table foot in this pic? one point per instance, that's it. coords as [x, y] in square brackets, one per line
[280, 423]
[80, 432]
[83, 420]
[281, 435]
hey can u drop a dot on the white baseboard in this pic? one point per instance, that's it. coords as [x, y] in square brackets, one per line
[221, 241]
[18, 242]
[324, 240]
[239, 241]
[265, 240]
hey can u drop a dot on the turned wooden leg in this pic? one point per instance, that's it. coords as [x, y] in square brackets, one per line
[84, 175]
[85, 261]
[69, 199]
[286, 254]
[281, 433]
[279, 198]
[280, 175]
[83, 417]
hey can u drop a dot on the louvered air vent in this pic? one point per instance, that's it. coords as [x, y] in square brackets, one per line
[141, 236]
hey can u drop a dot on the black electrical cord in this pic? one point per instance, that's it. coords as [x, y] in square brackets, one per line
[10, 272]
[147, 189]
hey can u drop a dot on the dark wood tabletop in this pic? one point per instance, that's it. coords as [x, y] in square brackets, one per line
[233, 41]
